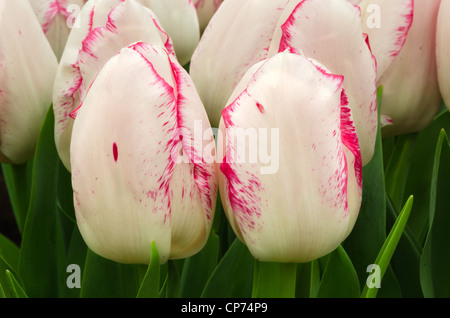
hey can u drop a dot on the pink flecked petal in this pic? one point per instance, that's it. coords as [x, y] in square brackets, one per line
[301, 192]
[330, 32]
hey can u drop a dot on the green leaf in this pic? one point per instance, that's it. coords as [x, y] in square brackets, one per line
[173, 281]
[9, 251]
[435, 260]
[339, 279]
[17, 290]
[418, 183]
[4, 279]
[398, 167]
[103, 278]
[405, 261]
[18, 182]
[369, 232]
[233, 276]
[42, 253]
[76, 255]
[389, 246]
[149, 287]
[199, 267]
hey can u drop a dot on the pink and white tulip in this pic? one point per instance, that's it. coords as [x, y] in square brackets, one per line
[130, 185]
[27, 70]
[106, 26]
[307, 207]
[328, 31]
[411, 96]
[57, 19]
[443, 50]
[179, 19]
[205, 11]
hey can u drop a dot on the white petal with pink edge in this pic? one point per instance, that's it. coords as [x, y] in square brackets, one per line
[329, 31]
[301, 209]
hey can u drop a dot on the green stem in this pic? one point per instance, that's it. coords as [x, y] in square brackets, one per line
[274, 280]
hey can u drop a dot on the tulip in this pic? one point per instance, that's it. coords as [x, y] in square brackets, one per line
[179, 19]
[105, 27]
[443, 51]
[238, 37]
[307, 206]
[387, 24]
[205, 11]
[411, 95]
[328, 31]
[132, 185]
[27, 69]
[57, 18]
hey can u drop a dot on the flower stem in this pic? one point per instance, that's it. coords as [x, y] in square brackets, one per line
[274, 280]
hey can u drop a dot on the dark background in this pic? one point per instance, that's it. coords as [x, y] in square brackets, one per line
[8, 225]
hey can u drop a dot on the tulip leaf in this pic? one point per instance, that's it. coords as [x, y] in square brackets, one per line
[406, 260]
[369, 232]
[2, 292]
[15, 287]
[399, 166]
[173, 280]
[233, 276]
[103, 278]
[42, 252]
[4, 279]
[384, 257]
[18, 181]
[418, 183]
[198, 268]
[339, 278]
[435, 260]
[9, 251]
[76, 256]
[149, 287]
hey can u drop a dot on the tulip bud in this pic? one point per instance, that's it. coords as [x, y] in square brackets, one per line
[27, 69]
[205, 11]
[179, 19]
[137, 173]
[106, 26]
[411, 95]
[443, 51]
[328, 31]
[56, 18]
[308, 206]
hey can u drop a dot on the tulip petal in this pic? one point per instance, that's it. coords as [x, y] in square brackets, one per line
[387, 23]
[27, 69]
[138, 162]
[109, 25]
[330, 32]
[411, 96]
[237, 37]
[295, 207]
[443, 51]
[179, 19]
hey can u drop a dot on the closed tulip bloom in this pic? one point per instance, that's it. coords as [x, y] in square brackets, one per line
[205, 11]
[411, 96]
[308, 206]
[179, 19]
[27, 70]
[138, 176]
[57, 18]
[105, 27]
[443, 51]
[328, 31]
